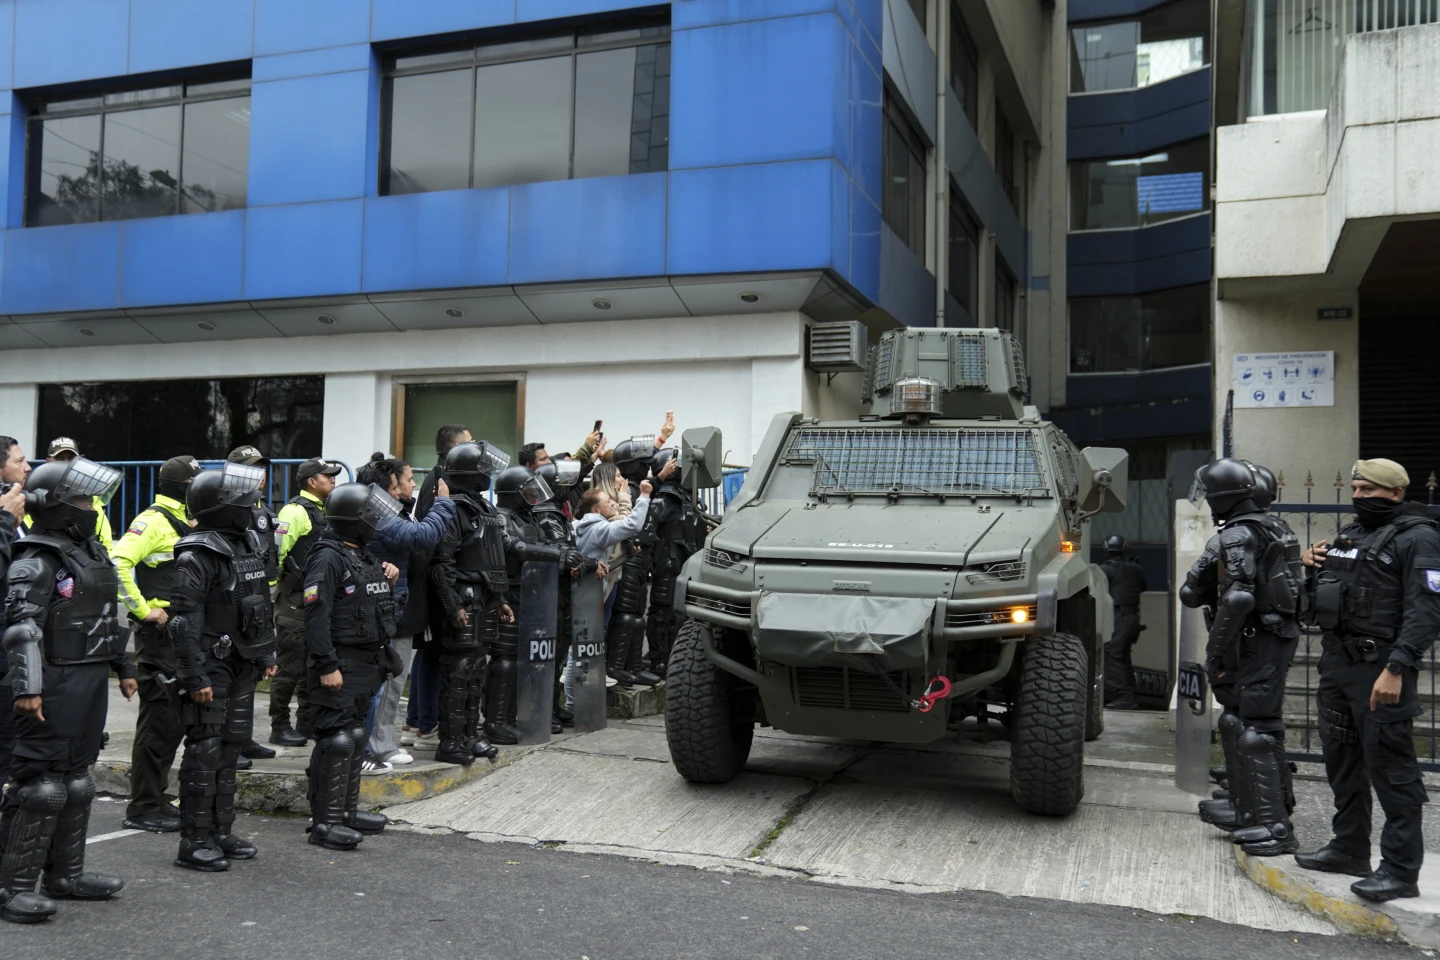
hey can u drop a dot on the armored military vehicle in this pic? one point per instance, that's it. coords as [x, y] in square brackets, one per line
[905, 574]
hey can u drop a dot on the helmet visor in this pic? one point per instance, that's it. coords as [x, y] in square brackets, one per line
[1197, 490]
[379, 508]
[240, 483]
[567, 472]
[536, 491]
[492, 459]
[86, 481]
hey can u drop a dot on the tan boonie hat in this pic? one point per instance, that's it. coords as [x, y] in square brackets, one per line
[1382, 473]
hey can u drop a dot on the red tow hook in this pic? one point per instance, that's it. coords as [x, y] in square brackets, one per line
[932, 693]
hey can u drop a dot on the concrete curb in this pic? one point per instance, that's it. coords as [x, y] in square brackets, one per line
[270, 790]
[630, 703]
[1416, 921]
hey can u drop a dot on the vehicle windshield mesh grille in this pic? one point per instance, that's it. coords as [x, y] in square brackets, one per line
[967, 361]
[936, 461]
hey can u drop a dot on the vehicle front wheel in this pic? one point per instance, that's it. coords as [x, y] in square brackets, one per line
[709, 737]
[1047, 745]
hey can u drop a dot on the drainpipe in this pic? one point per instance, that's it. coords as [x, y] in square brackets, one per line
[942, 172]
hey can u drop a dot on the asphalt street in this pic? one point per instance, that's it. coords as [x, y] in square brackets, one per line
[407, 894]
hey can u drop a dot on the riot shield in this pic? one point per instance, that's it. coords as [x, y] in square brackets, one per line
[1193, 720]
[535, 703]
[587, 646]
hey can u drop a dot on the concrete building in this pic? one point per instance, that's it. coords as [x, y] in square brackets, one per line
[334, 225]
[1327, 219]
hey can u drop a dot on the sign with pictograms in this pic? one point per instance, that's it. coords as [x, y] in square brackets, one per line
[1285, 380]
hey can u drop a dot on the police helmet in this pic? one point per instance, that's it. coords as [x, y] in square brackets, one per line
[469, 466]
[1114, 545]
[1227, 485]
[355, 511]
[633, 459]
[1266, 488]
[519, 488]
[62, 494]
[559, 476]
[224, 499]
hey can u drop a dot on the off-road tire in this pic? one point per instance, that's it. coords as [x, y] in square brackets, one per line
[1094, 703]
[709, 742]
[1047, 745]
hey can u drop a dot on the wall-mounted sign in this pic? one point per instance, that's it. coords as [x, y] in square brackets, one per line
[1334, 313]
[1279, 380]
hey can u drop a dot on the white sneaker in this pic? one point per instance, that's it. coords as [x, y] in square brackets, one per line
[399, 757]
[407, 739]
[374, 766]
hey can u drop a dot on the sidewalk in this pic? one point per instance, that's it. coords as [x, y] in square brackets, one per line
[935, 818]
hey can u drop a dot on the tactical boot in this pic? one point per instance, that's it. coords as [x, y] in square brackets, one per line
[255, 751]
[25, 907]
[201, 853]
[634, 661]
[618, 638]
[454, 751]
[500, 702]
[32, 825]
[1271, 833]
[1383, 885]
[361, 821]
[287, 737]
[1329, 860]
[329, 774]
[1220, 813]
[153, 821]
[481, 747]
[233, 847]
[65, 874]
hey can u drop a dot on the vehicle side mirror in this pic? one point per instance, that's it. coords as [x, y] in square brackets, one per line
[1105, 480]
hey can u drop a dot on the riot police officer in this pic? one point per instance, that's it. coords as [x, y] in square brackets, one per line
[349, 620]
[265, 523]
[679, 533]
[1255, 591]
[1375, 592]
[301, 521]
[1220, 810]
[517, 492]
[554, 528]
[223, 624]
[145, 565]
[63, 638]
[467, 576]
[625, 635]
[1127, 583]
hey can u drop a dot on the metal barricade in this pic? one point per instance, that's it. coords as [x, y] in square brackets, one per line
[137, 491]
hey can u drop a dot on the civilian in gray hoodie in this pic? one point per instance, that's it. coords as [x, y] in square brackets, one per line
[597, 530]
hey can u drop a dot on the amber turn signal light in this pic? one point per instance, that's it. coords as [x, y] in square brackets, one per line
[1019, 615]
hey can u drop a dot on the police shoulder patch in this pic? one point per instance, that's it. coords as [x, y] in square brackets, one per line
[1432, 580]
[282, 527]
[137, 527]
[312, 592]
[262, 522]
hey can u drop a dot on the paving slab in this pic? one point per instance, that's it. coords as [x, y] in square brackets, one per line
[578, 798]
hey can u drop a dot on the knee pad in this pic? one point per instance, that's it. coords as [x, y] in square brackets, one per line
[79, 789]
[337, 742]
[357, 736]
[44, 794]
[206, 753]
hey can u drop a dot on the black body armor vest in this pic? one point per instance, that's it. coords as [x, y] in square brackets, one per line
[299, 554]
[1278, 572]
[83, 626]
[480, 558]
[364, 610]
[1360, 590]
[240, 612]
[1125, 578]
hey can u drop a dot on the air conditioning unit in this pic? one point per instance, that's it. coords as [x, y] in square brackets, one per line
[836, 347]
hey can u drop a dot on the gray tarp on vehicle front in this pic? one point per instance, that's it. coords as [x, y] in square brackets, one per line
[812, 630]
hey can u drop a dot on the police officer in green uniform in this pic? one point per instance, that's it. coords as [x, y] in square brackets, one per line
[145, 565]
[1375, 591]
[302, 521]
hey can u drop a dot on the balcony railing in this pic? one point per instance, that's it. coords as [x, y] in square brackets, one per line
[1293, 47]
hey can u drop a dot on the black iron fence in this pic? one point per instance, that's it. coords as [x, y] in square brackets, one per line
[1320, 517]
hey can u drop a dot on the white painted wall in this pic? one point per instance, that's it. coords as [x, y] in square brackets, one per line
[19, 404]
[1319, 440]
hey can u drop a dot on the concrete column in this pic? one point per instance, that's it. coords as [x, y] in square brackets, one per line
[1320, 440]
[19, 412]
[357, 416]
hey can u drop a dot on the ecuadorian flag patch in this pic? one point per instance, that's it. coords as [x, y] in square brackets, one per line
[282, 528]
[137, 527]
[312, 593]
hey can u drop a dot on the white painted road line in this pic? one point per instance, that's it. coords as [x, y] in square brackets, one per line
[111, 836]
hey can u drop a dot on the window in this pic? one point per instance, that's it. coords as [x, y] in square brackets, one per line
[1148, 332]
[963, 264]
[1121, 55]
[158, 151]
[904, 205]
[1004, 298]
[1005, 155]
[919, 6]
[489, 408]
[1139, 191]
[964, 72]
[577, 104]
[155, 419]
